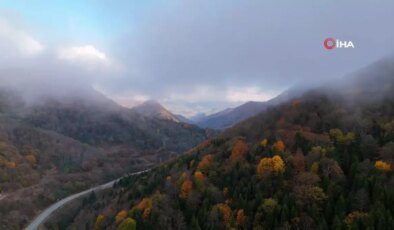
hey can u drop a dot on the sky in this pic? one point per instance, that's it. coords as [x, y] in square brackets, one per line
[191, 56]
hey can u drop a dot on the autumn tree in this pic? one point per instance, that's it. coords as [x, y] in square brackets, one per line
[355, 216]
[269, 205]
[205, 162]
[299, 162]
[279, 146]
[341, 138]
[99, 221]
[31, 159]
[269, 165]
[264, 142]
[128, 224]
[239, 150]
[145, 206]
[315, 167]
[225, 211]
[199, 178]
[309, 195]
[120, 216]
[381, 165]
[240, 217]
[186, 188]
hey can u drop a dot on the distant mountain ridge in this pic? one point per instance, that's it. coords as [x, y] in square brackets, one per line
[231, 116]
[154, 109]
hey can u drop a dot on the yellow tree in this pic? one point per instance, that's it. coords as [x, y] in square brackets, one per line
[128, 224]
[278, 163]
[99, 221]
[382, 166]
[315, 167]
[269, 165]
[120, 216]
[264, 142]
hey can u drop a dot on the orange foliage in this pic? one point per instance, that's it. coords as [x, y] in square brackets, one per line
[31, 159]
[205, 162]
[239, 150]
[279, 146]
[299, 162]
[186, 188]
[271, 165]
[146, 213]
[120, 216]
[145, 203]
[10, 164]
[199, 176]
[205, 144]
[240, 217]
[226, 212]
[382, 166]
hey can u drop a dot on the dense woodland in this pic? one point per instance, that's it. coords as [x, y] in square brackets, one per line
[320, 161]
[54, 148]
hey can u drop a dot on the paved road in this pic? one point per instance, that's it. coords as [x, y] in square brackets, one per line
[48, 211]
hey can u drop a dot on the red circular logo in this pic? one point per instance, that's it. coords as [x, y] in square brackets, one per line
[329, 43]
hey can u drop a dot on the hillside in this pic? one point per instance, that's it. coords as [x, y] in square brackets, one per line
[60, 145]
[323, 160]
[231, 116]
[153, 109]
[94, 125]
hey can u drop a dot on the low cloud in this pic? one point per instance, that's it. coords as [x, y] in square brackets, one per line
[201, 56]
[16, 40]
[81, 53]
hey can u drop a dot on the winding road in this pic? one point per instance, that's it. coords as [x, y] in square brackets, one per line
[40, 219]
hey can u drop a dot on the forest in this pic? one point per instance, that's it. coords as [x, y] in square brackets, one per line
[320, 161]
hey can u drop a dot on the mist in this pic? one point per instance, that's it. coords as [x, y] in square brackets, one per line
[195, 56]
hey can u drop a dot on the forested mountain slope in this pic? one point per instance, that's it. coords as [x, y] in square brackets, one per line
[323, 160]
[57, 146]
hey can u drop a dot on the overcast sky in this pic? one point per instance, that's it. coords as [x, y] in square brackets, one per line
[192, 56]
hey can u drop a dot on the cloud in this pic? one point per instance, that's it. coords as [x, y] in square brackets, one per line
[248, 94]
[35, 71]
[207, 55]
[13, 39]
[237, 51]
[81, 53]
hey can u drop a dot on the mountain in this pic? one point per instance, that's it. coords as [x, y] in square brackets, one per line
[153, 109]
[231, 116]
[55, 145]
[321, 160]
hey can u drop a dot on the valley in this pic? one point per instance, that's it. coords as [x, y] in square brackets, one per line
[317, 160]
[54, 149]
[200, 115]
